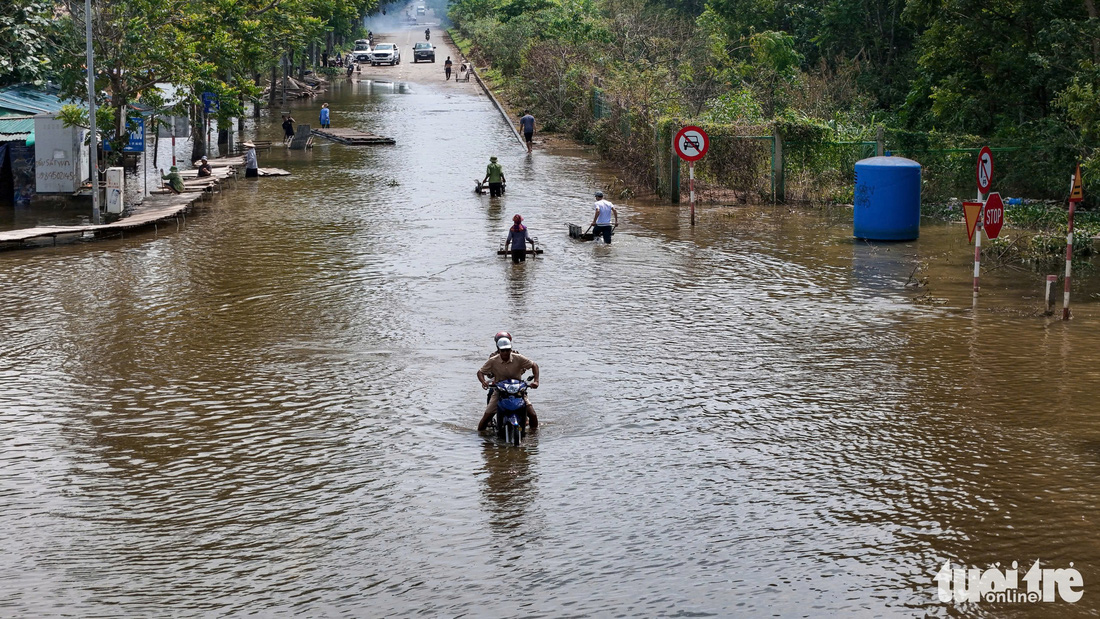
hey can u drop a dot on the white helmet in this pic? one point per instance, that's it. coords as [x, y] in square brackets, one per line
[504, 343]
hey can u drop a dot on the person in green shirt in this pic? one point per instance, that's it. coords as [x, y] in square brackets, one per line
[495, 175]
[175, 181]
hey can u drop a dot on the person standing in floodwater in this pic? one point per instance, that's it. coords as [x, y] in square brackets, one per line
[601, 220]
[288, 127]
[447, 69]
[527, 122]
[324, 116]
[251, 165]
[517, 240]
[494, 174]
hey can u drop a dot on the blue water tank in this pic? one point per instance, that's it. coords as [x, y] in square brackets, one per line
[887, 199]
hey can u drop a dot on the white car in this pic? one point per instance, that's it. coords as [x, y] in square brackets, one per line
[385, 53]
[362, 52]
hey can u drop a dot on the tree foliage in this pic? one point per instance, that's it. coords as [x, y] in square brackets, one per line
[25, 40]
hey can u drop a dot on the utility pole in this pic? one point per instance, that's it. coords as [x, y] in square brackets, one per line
[94, 147]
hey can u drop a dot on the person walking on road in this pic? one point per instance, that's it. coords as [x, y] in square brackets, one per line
[528, 125]
[517, 240]
[494, 174]
[447, 69]
[601, 221]
[324, 116]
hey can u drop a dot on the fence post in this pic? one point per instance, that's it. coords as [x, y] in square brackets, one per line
[880, 141]
[778, 193]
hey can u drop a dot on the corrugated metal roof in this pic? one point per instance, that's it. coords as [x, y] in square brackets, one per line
[13, 128]
[29, 100]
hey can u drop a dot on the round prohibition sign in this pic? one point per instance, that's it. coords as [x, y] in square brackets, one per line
[985, 169]
[691, 143]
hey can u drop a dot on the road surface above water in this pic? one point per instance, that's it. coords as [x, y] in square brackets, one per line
[271, 411]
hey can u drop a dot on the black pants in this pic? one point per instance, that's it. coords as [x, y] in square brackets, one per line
[448, 72]
[604, 230]
[251, 172]
[494, 190]
[519, 255]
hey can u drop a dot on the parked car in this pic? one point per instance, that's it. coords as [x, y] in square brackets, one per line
[423, 51]
[361, 53]
[385, 53]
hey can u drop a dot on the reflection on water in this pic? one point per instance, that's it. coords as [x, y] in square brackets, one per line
[271, 411]
[509, 487]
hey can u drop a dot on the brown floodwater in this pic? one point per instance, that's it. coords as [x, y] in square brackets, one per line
[272, 409]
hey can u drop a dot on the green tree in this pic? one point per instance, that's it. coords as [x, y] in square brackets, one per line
[25, 40]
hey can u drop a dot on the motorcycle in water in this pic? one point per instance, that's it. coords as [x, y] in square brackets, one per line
[427, 34]
[510, 421]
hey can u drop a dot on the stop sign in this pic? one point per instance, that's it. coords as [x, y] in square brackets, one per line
[994, 215]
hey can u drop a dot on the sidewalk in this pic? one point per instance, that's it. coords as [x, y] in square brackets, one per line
[159, 206]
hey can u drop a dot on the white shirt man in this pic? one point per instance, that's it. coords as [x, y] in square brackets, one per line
[602, 218]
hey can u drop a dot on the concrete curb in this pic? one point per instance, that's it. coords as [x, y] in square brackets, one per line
[500, 108]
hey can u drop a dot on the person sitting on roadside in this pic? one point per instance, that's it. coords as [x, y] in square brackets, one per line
[204, 168]
[175, 181]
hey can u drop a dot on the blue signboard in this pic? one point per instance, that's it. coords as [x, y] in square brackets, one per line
[137, 138]
[209, 102]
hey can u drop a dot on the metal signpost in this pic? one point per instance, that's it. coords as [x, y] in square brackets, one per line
[691, 143]
[94, 148]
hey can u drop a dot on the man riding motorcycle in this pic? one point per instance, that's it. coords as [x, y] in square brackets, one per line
[506, 365]
[427, 34]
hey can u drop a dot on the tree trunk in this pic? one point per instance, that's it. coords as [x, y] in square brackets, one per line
[274, 84]
[198, 133]
[256, 104]
[1090, 6]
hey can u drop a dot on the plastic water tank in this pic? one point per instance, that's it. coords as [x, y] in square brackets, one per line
[887, 199]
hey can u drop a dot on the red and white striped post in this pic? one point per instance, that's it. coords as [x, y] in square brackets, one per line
[984, 176]
[1076, 194]
[691, 188]
[1069, 261]
[691, 143]
[978, 246]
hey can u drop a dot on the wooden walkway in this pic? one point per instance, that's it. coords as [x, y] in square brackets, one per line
[160, 205]
[353, 137]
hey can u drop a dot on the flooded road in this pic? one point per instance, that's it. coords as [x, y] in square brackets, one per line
[272, 410]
